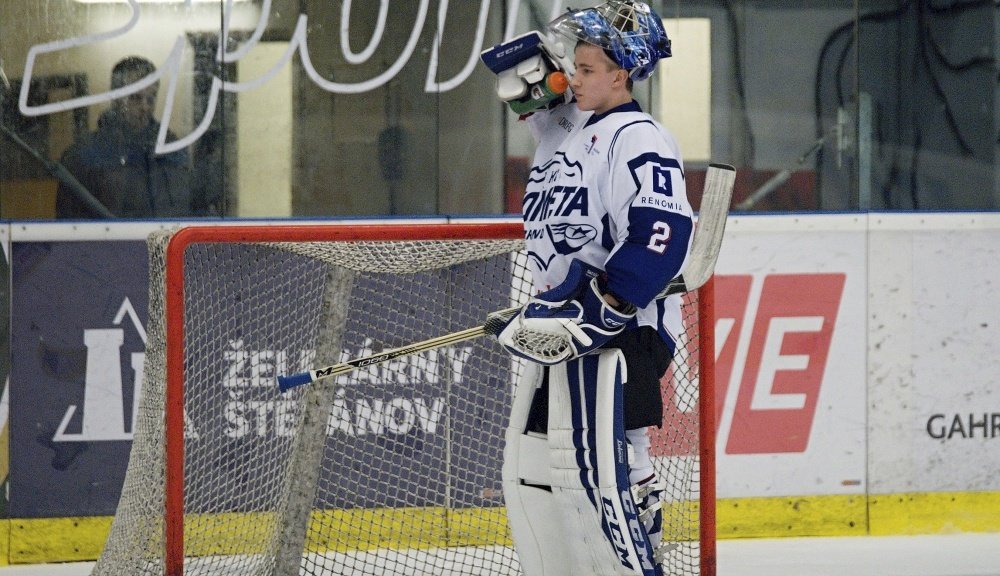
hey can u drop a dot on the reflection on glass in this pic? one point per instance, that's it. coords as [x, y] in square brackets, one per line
[306, 108]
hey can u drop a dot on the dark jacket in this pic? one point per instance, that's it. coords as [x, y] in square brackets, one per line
[120, 168]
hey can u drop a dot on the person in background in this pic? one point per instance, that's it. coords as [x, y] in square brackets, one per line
[118, 163]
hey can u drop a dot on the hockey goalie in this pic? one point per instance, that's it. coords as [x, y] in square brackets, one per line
[607, 225]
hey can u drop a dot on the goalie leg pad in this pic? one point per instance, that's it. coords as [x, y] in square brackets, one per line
[536, 526]
[590, 475]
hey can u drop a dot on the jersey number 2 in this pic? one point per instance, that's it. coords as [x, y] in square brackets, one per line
[661, 235]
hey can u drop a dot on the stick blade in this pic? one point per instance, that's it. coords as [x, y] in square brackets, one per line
[711, 224]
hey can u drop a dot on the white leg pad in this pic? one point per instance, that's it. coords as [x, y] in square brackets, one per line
[590, 475]
[536, 526]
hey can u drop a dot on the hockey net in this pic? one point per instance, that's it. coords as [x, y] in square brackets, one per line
[391, 469]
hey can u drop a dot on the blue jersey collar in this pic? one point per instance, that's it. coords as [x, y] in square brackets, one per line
[632, 106]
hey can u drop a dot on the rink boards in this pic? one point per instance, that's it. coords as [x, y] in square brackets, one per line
[855, 377]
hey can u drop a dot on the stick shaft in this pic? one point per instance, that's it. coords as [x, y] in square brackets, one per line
[291, 381]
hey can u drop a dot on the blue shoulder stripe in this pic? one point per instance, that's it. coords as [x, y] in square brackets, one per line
[619, 131]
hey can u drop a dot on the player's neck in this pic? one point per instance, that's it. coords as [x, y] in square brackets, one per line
[613, 102]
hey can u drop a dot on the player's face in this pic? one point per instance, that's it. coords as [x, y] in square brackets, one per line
[138, 108]
[598, 84]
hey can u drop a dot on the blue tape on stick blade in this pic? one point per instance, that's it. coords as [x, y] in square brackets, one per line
[287, 382]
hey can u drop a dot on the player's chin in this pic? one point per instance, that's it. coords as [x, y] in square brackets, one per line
[582, 104]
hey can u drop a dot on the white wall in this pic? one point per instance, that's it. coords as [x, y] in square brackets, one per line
[917, 334]
[934, 345]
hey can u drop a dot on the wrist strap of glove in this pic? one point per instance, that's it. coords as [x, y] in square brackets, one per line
[623, 306]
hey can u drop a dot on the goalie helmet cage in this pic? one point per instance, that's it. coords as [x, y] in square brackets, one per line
[390, 469]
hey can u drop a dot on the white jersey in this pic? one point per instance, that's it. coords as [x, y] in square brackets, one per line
[609, 190]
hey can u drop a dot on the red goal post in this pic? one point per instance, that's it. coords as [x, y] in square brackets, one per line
[207, 278]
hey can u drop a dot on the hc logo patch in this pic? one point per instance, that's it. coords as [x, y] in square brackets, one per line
[661, 181]
[652, 172]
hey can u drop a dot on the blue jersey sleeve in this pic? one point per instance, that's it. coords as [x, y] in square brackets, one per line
[651, 213]
[644, 264]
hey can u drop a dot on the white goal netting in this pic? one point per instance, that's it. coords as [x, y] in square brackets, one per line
[390, 469]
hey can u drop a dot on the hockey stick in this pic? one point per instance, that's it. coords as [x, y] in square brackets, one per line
[705, 245]
[715, 200]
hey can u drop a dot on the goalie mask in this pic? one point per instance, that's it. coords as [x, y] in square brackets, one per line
[630, 33]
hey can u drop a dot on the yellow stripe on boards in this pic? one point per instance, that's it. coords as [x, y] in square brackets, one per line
[791, 516]
[479, 527]
[367, 529]
[40, 540]
[406, 528]
[934, 513]
[4, 451]
[33, 541]
[228, 533]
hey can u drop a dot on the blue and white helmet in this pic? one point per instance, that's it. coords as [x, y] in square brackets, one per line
[630, 32]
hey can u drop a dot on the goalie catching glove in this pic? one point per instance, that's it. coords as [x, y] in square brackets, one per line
[531, 71]
[565, 322]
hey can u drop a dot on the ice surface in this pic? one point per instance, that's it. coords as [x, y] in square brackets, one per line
[938, 555]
